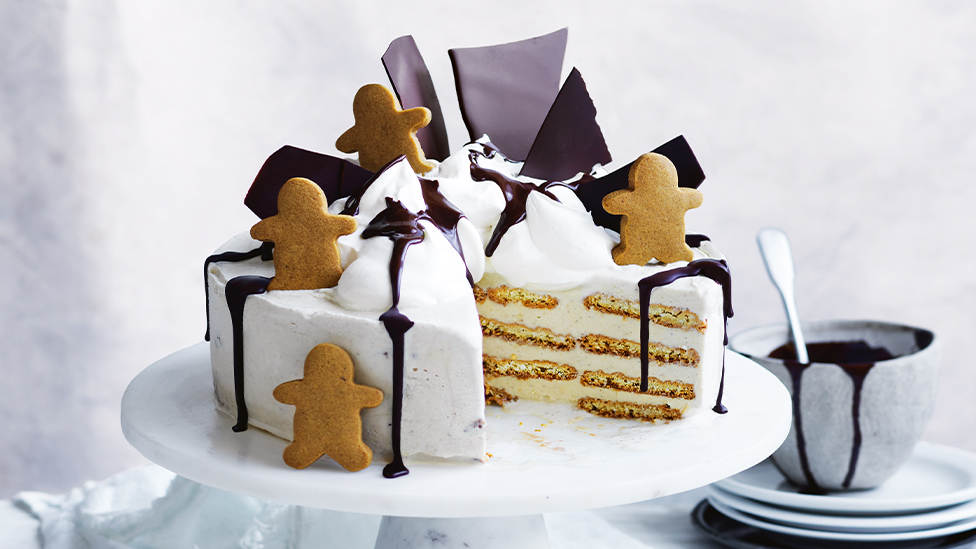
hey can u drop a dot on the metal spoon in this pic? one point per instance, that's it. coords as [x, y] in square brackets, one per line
[775, 248]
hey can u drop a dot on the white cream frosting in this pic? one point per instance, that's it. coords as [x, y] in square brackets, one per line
[433, 271]
[556, 247]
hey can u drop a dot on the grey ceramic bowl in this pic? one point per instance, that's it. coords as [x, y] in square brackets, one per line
[853, 426]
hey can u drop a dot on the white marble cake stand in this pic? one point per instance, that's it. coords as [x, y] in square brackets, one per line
[543, 458]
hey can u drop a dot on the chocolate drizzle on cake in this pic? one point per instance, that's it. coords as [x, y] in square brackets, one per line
[715, 269]
[355, 197]
[856, 358]
[440, 211]
[265, 250]
[445, 216]
[695, 240]
[515, 193]
[238, 289]
[403, 228]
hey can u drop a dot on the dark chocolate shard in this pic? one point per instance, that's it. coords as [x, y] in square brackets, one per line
[414, 88]
[570, 140]
[591, 195]
[505, 91]
[337, 177]
[677, 150]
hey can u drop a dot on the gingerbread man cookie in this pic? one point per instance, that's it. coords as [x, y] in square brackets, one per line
[306, 256]
[653, 209]
[383, 132]
[327, 405]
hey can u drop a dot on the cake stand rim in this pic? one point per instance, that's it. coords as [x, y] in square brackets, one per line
[153, 420]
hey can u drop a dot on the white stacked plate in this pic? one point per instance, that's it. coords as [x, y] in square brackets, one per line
[930, 502]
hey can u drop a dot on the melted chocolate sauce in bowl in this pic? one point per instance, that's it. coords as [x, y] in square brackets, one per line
[859, 405]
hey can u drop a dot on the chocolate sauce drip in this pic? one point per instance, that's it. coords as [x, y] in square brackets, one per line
[440, 211]
[238, 288]
[515, 193]
[571, 185]
[403, 228]
[445, 216]
[695, 240]
[489, 150]
[857, 372]
[396, 324]
[796, 375]
[856, 358]
[715, 269]
[352, 203]
[265, 250]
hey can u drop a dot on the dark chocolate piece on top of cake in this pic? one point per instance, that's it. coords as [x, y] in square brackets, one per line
[336, 177]
[414, 88]
[505, 91]
[570, 140]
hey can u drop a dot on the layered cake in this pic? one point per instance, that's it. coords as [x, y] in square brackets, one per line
[514, 268]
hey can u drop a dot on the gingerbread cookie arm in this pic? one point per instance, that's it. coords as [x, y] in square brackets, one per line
[342, 225]
[348, 142]
[266, 230]
[416, 118]
[368, 397]
[616, 203]
[288, 392]
[693, 198]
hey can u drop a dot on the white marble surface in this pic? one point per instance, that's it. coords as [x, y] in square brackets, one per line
[149, 508]
[543, 458]
[524, 532]
[184, 513]
[129, 132]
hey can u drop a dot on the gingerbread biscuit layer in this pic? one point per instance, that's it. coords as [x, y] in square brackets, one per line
[583, 346]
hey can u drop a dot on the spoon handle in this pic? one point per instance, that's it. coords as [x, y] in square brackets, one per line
[775, 249]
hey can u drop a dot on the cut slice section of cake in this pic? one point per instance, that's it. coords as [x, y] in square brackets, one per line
[583, 346]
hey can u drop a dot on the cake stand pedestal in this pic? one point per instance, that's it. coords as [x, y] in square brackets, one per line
[542, 458]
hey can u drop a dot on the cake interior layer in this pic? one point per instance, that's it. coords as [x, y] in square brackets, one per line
[582, 346]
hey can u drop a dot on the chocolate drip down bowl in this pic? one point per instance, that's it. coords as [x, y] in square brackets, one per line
[859, 406]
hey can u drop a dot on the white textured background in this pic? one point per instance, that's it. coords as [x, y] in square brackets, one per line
[130, 131]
